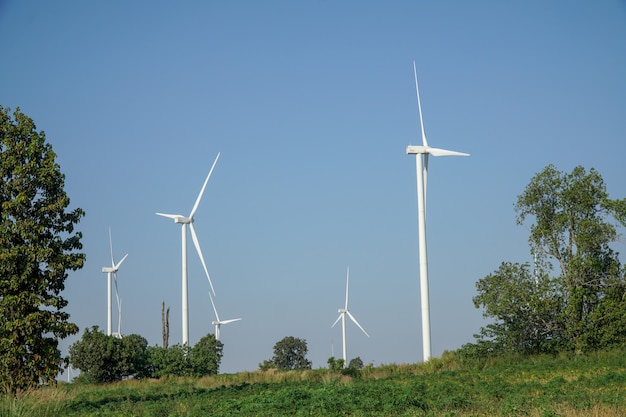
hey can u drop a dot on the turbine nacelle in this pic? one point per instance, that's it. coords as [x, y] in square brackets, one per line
[178, 218]
[422, 150]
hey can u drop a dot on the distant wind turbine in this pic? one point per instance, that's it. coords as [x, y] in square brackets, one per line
[112, 271]
[342, 317]
[217, 322]
[421, 161]
[178, 218]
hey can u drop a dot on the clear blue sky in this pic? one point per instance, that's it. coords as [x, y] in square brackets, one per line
[312, 105]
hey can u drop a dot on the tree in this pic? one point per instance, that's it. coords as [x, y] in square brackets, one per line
[38, 245]
[356, 363]
[583, 307]
[289, 353]
[202, 359]
[102, 358]
[171, 361]
[575, 221]
[526, 308]
[165, 324]
[335, 365]
[206, 355]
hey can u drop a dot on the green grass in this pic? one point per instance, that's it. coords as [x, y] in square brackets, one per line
[541, 386]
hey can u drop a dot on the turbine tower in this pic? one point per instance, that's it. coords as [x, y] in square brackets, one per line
[184, 221]
[421, 163]
[112, 271]
[342, 317]
[217, 322]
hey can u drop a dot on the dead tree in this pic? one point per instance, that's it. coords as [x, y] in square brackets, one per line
[165, 324]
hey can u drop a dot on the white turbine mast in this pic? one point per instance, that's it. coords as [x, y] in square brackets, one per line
[421, 163]
[342, 316]
[111, 271]
[217, 322]
[184, 221]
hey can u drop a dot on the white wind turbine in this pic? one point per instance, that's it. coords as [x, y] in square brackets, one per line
[421, 160]
[342, 317]
[217, 322]
[178, 218]
[112, 271]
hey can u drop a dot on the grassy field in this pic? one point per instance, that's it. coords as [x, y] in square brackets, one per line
[567, 386]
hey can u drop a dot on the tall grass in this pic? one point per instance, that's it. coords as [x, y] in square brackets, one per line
[44, 402]
[538, 386]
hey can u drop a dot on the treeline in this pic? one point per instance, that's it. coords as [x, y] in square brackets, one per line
[103, 358]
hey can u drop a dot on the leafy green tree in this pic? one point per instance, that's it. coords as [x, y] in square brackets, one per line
[170, 361]
[335, 365]
[526, 308]
[356, 363]
[202, 359]
[574, 223]
[290, 353]
[103, 358]
[582, 308]
[38, 245]
[206, 356]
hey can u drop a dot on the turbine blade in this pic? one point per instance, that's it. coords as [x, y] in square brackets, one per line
[347, 278]
[119, 317]
[111, 246]
[116, 267]
[194, 237]
[419, 106]
[445, 152]
[229, 321]
[117, 294]
[195, 206]
[337, 321]
[170, 216]
[357, 323]
[217, 317]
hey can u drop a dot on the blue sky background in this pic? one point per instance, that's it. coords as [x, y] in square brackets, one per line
[312, 105]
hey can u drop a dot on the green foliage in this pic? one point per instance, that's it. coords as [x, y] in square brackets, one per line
[567, 385]
[526, 309]
[202, 359]
[574, 223]
[103, 358]
[38, 246]
[356, 363]
[335, 365]
[205, 356]
[289, 353]
[583, 307]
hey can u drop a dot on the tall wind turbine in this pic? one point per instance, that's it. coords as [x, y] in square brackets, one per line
[421, 162]
[217, 322]
[112, 271]
[342, 316]
[184, 221]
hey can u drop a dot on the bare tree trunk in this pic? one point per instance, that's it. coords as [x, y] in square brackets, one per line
[165, 324]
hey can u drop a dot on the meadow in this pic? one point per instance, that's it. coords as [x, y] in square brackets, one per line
[542, 386]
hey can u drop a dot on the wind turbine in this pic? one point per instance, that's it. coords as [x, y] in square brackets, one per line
[219, 322]
[178, 218]
[421, 163]
[112, 270]
[342, 317]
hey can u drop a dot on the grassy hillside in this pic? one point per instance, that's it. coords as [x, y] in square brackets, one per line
[591, 385]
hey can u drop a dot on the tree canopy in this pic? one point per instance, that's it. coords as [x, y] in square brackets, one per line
[573, 223]
[289, 353]
[38, 245]
[102, 358]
